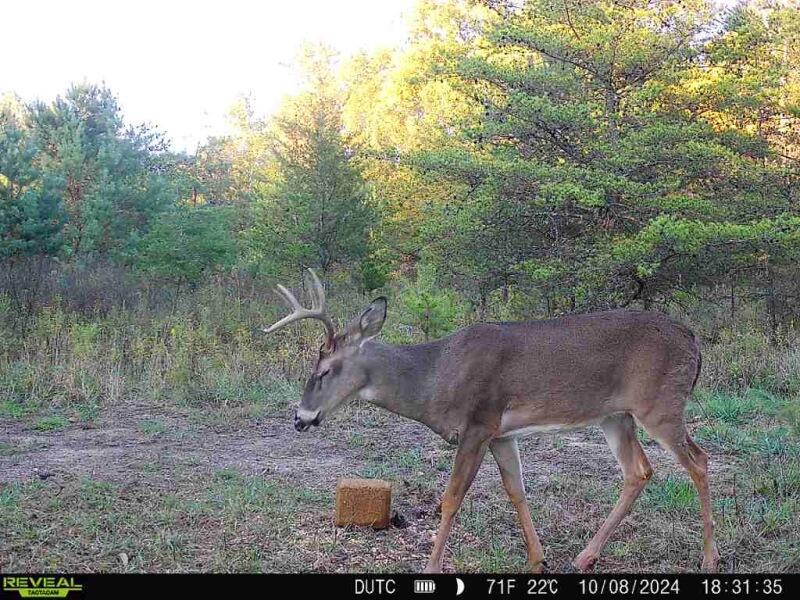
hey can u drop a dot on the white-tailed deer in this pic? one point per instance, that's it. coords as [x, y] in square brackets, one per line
[486, 385]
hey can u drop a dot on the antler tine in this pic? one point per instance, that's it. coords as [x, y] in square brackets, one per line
[320, 306]
[280, 324]
[289, 298]
[317, 292]
[317, 311]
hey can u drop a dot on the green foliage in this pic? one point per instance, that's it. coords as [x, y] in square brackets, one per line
[74, 179]
[671, 494]
[433, 311]
[529, 159]
[11, 408]
[314, 208]
[152, 427]
[606, 152]
[186, 245]
[31, 211]
[52, 423]
[108, 173]
[374, 274]
[791, 415]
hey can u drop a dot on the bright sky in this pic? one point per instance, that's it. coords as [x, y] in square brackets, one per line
[181, 64]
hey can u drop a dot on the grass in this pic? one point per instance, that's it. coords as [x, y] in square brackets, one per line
[90, 523]
[7, 449]
[407, 464]
[50, 423]
[189, 461]
[736, 409]
[152, 427]
[87, 412]
[12, 409]
[670, 494]
[184, 515]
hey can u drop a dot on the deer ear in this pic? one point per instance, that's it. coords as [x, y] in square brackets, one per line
[371, 320]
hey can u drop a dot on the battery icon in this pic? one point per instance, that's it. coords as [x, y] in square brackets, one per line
[424, 586]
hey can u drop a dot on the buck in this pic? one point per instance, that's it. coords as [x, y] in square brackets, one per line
[487, 385]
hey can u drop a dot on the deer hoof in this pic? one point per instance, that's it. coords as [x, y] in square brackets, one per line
[585, 560]
[432, 569]
[536, 567]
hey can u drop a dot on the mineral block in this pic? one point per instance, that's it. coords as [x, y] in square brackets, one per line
[363, 502]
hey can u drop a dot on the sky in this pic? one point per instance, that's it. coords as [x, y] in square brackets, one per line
[178, 64]
[181, 64]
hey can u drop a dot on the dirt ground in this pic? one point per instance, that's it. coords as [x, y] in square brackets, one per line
[163, 489]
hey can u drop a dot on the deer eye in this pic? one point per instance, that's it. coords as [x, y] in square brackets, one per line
[321, 375]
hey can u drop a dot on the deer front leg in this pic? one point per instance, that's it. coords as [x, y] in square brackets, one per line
[620, 432]
[468, 459]
[506, 453]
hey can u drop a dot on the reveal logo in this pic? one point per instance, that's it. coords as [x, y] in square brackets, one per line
[41, 587]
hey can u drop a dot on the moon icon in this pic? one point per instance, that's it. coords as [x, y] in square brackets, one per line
[459, 586]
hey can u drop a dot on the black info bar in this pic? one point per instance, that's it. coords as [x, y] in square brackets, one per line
[75, 586]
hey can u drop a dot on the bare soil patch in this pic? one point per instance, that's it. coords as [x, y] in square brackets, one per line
[178, 494]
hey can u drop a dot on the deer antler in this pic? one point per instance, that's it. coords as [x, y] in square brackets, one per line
[318, 310]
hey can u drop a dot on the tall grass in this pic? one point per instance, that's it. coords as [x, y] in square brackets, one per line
[94, 336]
[140, 341]
[202, 349]
[747, 358]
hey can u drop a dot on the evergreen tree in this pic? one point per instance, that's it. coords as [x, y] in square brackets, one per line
[110, 175]
[314, 209]
[588, 188]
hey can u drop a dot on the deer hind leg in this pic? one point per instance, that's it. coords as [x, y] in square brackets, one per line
[506, 453]
[620, 432]
[672, 435]
[468, 459]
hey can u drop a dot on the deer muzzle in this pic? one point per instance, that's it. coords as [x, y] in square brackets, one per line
[303, 419]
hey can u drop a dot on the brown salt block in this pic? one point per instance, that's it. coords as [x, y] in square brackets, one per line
[363, 502]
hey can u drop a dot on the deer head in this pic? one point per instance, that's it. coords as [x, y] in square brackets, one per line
[341, 371]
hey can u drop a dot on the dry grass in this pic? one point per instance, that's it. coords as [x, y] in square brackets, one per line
[159, 438]
[167, 491]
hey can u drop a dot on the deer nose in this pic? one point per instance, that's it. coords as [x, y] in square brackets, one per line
[298, 423]
[303, 419]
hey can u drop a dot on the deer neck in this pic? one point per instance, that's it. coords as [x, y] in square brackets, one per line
[402, 378]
